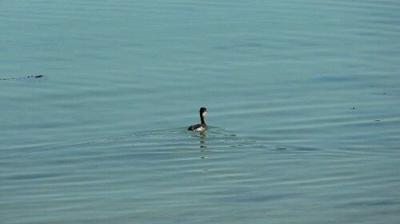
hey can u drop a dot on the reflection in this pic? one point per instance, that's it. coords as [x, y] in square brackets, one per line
[203, 145]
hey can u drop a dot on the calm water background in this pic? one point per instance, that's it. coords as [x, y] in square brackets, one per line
[303, 101]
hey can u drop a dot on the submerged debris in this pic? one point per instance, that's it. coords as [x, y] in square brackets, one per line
[24, 77]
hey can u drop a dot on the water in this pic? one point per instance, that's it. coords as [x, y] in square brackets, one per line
[302, 98]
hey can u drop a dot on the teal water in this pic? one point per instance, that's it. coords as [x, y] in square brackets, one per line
[303, 100]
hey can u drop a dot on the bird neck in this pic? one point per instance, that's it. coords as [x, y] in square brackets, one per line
[202, 119]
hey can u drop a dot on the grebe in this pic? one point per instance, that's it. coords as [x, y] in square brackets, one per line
[202, 126]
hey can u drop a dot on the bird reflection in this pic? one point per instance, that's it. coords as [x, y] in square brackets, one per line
[203, 145]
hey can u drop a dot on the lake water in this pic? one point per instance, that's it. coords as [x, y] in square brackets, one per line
[303, 101]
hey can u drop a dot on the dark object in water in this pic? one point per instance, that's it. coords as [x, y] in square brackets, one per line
[37, 76]
[202, 126]
[24, 77]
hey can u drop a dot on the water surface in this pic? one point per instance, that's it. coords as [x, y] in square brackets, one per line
[302, 98]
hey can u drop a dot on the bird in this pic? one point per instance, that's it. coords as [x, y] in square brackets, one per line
[202, 126]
